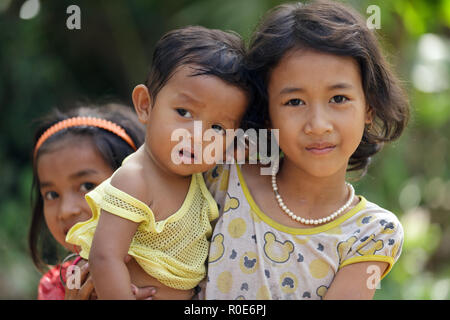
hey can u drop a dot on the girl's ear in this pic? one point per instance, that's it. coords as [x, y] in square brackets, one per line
[369, 115]
[142, 103]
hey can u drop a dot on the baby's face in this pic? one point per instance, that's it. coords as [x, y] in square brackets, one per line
[190, 112]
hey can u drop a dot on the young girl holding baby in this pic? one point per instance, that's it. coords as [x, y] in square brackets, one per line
[302, 233]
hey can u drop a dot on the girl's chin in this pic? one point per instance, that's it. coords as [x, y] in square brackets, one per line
[320, 171]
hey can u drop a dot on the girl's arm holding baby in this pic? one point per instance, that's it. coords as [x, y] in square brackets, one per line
[354, 281]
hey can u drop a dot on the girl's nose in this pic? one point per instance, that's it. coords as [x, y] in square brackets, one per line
[318, 122]
[70, 207]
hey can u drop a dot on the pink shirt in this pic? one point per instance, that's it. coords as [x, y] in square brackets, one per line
[50, 286]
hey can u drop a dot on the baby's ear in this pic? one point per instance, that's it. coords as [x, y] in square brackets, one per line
[142, 102]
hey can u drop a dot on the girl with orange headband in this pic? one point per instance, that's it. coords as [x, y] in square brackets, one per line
[73, 153]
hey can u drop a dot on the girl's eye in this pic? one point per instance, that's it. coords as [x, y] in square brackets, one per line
[50, 195]
[218, 128]
[339, 99]
[184, 113]
[87, 186]
[294, 102]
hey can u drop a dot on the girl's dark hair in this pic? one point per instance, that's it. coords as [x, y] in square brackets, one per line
[112, 148]
[212, 52]
[334, 28]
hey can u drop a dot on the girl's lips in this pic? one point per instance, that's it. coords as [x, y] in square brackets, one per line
[320, 150]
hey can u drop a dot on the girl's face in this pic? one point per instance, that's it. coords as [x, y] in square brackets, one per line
[317, 102]
[67, 171]
[183, 102]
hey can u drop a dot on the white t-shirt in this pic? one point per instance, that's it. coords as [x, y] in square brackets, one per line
[253, 257]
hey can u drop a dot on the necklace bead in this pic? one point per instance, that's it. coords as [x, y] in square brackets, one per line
[309, 221]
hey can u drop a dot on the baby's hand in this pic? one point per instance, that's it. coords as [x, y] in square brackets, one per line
[87, 290]
[145, 293]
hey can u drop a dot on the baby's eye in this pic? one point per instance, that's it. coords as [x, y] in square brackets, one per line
[87, 186]
[339, 99]
[51, 195]
[218, 128]
[184, 113]
[294, 102]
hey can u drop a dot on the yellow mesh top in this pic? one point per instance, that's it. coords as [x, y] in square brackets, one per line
[173, 250]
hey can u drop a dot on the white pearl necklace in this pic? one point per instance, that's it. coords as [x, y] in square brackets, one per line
[303, 220]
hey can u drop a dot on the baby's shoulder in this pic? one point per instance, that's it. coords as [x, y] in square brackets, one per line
[130, 178]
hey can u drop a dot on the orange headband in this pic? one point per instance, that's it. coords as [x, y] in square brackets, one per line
[84, 121]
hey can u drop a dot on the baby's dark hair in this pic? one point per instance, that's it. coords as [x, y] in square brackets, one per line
[334, 28]
[211, 51]
[112, 148]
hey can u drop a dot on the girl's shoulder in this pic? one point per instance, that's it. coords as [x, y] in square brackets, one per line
[373, 220]
[379, 214]
[373, 233]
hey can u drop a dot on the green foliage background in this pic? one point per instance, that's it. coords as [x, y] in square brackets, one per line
[44, 65]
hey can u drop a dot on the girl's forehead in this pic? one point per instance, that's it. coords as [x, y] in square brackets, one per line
[312, 59]
[67, 156]
[59, 142]
[308, 66]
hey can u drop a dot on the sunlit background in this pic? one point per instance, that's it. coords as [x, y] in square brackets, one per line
[43, 65]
